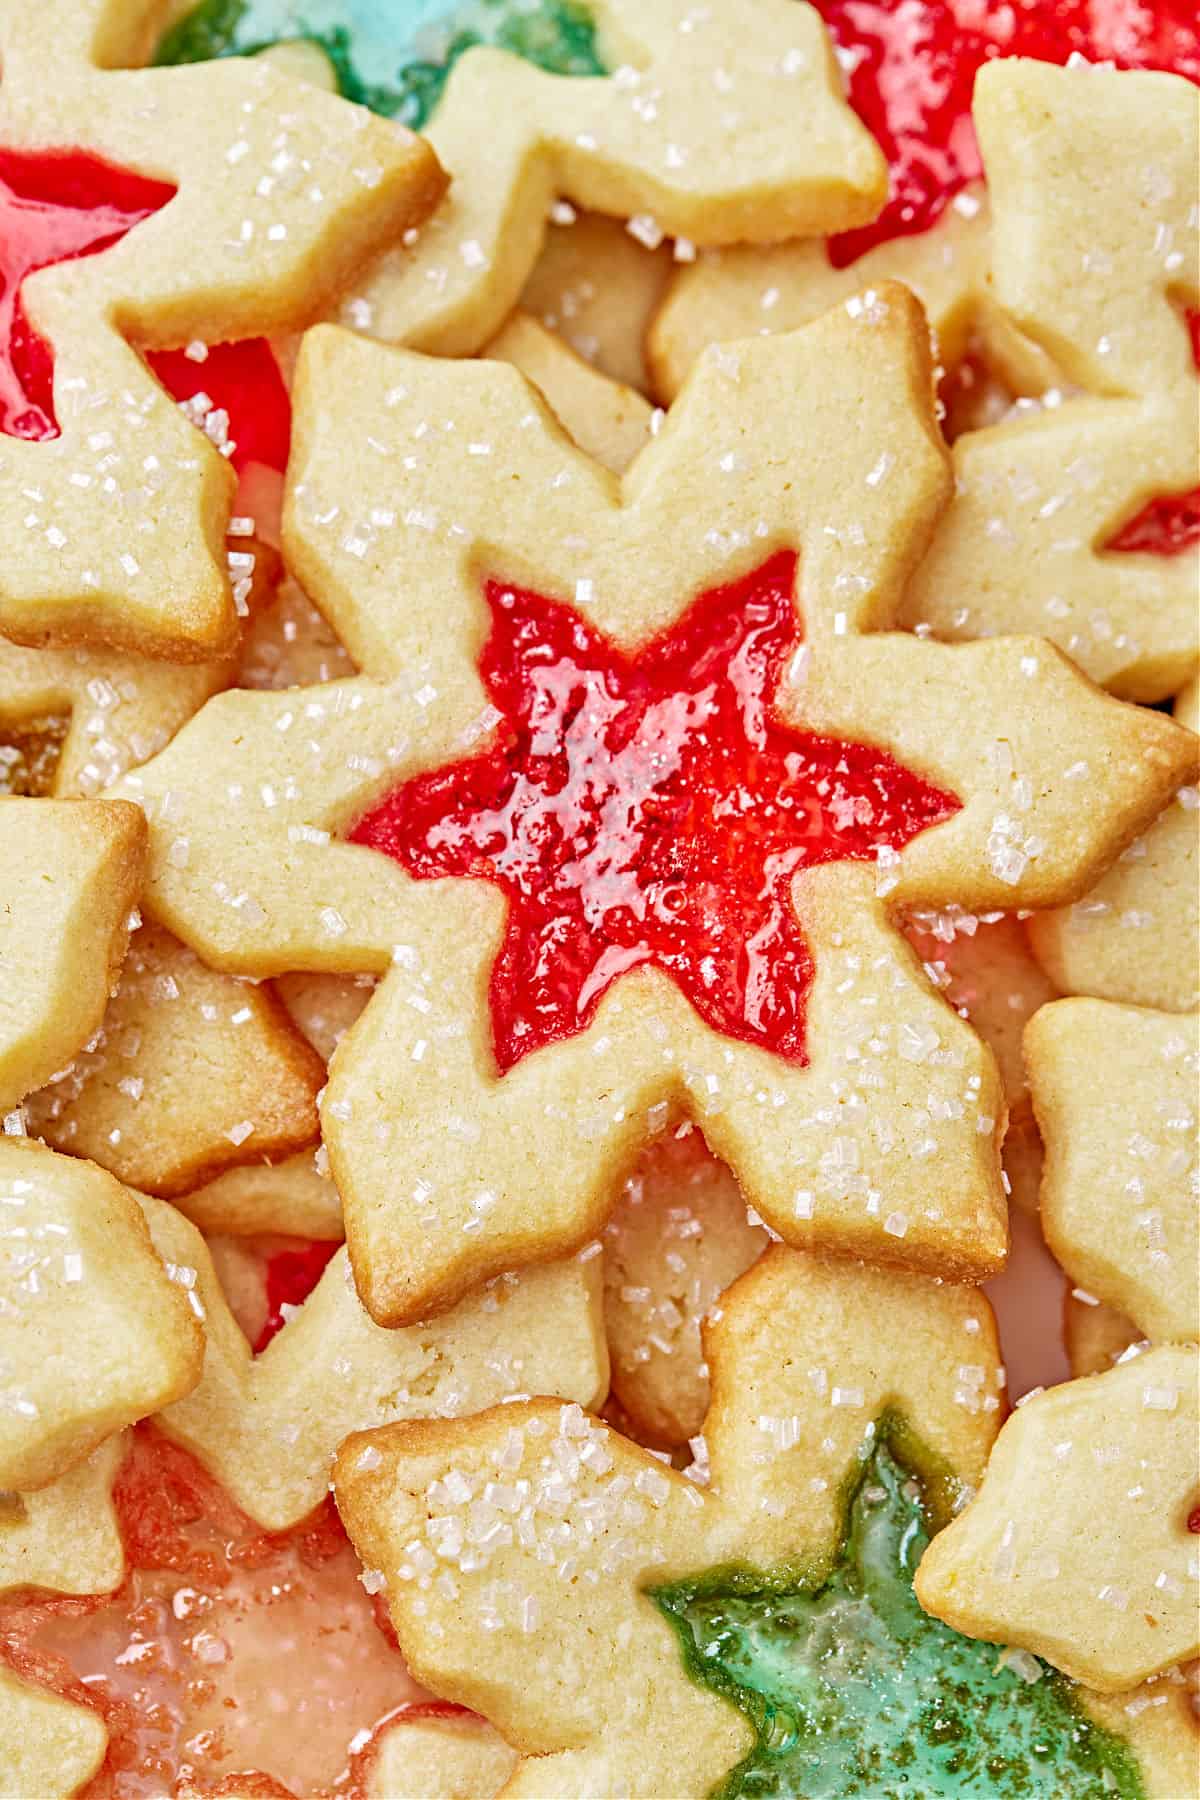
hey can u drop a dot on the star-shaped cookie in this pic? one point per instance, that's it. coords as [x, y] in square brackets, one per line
[151, 208]
[1135, 936]
[784, 522]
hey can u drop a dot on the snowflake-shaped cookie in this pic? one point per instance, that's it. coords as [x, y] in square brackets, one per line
[839, 1088]
[647, 1634]
[267, 1426]
[154, 207]
[1074, 273]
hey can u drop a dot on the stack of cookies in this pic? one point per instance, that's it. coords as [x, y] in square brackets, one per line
[599, 1053]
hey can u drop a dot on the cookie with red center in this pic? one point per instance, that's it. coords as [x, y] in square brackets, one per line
[640, 766]
[1074, 518]
[751, 1623]
[169, 1595]
[143, 210]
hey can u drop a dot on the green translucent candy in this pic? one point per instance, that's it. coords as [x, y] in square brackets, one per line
[391, 55]
[854, 1691]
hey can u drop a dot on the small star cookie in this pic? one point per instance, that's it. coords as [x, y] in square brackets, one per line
[149, 207]
[69, 875]
[1078, 1546]
[93, 1332]
[1115, 1090]
[648, 1634]
[588, 1008]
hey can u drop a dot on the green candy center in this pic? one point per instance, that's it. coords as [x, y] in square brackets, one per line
[392, 55]
[853, 1690]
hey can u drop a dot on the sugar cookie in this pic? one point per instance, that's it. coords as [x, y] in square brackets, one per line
[1040, 537]
[69, 875]
[114, 512]
[849, 1407]
[191, 1073]
[1136, 935]
[93, 1332]
[264, 891]
[267, 1426]
[677, 1237]
[1077, 1547]
[1115, 1089]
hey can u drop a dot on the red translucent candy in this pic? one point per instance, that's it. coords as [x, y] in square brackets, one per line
[650, 809]
[243, 379]
[1193, 1519]
[291, 1277]
[1170, 523]
[227, 1649]
[55, 205]
[911, 68]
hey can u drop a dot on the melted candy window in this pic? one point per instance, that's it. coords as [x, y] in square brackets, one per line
[226, 1649]
[391, 55]
[854, 1691]
[650, 809]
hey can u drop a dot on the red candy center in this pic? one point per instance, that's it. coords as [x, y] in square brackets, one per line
[226, 1649]
[243, 381]
[291, 1277]
[912, 64]
[54, 206]
[650, 809]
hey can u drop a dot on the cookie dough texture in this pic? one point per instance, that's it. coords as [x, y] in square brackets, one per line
[70, 872]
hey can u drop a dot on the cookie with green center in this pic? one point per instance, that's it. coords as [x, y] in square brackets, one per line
[752, 1629]
[671, 115]
[634, 776]
[1033, 541]
[148, 209]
